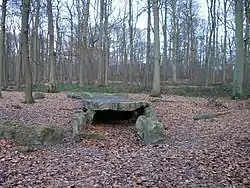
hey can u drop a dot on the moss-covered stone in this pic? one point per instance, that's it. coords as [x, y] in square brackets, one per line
[150, 130]
[31, 135]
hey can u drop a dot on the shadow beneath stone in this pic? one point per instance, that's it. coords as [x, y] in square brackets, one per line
[112, 116]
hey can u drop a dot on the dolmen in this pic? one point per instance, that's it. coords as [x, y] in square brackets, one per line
[148, 127]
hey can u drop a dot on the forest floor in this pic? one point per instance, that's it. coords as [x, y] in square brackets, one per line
[204, 153]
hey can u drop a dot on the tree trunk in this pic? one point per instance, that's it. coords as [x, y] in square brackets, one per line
[19, 60]
[209, 45]
[2, 42]
[165, 41]
[131, 42]
[36, 45]
[124, 50]
[59, 50]
[85, 33]
[174, 59]
[156, 90]
[70, 63]
[148, 43]
[25, 52]
[52, 55]
[239, 65]
[213, 55]
[225, 42]
[100, 64]
[106, 39]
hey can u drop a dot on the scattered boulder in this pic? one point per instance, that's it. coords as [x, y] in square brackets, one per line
[31, 135]
[38, 95]
[150, 130]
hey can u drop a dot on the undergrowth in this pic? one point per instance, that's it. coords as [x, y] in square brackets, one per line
[189, 91]
[111, 88]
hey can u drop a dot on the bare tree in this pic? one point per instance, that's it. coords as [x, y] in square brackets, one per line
[25, 52]
[100, 64]
[225, 40]
[36, 45]
[106, 40]
[124, 49]
[52, 55]
[149, 4]
[239, 65]
[131, 42]
[156, 90]
[2, 42]
[174, 50]
[70, 78]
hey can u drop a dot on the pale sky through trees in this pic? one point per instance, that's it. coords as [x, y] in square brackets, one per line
[119, 6]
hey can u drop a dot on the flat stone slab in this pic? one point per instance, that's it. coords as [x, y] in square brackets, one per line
[104, 101]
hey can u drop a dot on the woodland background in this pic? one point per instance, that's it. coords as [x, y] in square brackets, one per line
[55, 41]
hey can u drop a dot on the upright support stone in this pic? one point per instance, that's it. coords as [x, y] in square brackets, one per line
[80, 122]
[150, 130]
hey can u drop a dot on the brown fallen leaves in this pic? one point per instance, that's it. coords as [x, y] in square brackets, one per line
[204, 153]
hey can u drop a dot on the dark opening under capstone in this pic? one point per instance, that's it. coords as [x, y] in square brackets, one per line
[112, 116]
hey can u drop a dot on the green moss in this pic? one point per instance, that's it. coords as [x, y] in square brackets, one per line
[111, 88]
[189, 91]
[46, 132]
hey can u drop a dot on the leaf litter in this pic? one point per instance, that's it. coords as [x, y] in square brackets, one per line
[204, 153]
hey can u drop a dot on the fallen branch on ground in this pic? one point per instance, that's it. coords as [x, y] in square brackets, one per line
[208, 116]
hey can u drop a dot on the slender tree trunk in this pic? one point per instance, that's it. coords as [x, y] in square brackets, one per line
[52, 56]
[59, 49]
[174, 59]
[25, 52]
[84, 40]
[209, 45]
[213, 55]
[19, 61]
[156, 90]
[100, 64]
[106, 42]
[2, 42]
[70, 78]
[36, 45]
[165, 42]
[131, 42]
[124, 50]
[225, 42]
[148, 42]
[239, 66]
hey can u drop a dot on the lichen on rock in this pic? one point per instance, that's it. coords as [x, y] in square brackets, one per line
[150, 130]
